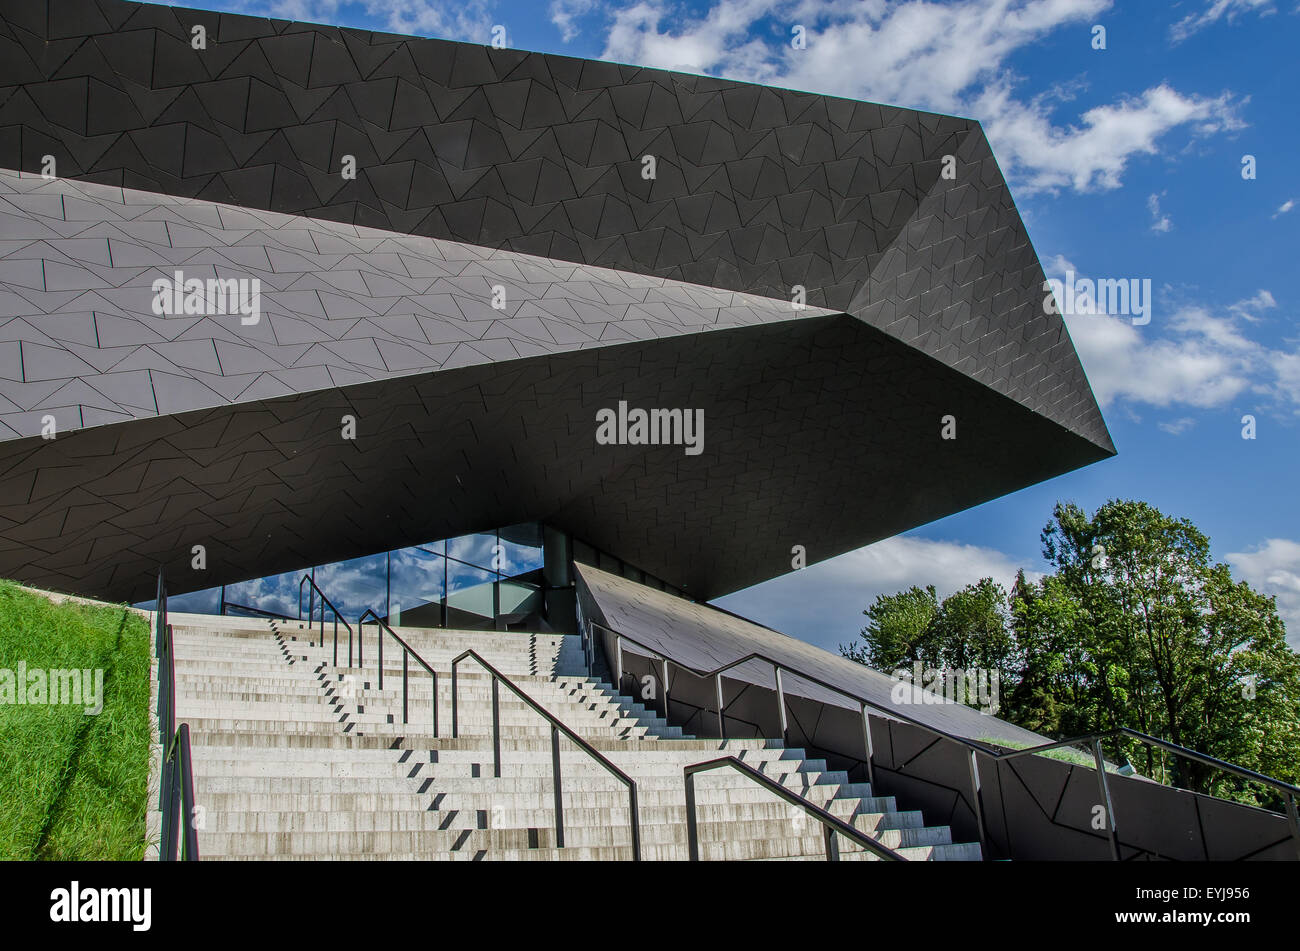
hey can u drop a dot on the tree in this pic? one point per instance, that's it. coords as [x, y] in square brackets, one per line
[1136, 627]
[967, 631]
[899, 630]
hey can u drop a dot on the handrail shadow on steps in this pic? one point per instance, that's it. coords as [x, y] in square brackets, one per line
[407, 652]
[557, 727]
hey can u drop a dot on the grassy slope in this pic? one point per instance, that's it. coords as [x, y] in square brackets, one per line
[74, 786]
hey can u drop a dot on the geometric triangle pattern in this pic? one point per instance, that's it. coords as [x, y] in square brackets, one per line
[339, 304]
[755, 189]
[476, 170]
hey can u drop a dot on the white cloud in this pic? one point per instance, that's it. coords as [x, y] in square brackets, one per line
[1159, 223]
[1176, 427]
[448, 19]
[950, 57]
[823, 603]
[1215, 11]
[1092, 155]
[1195, 357]
[1274, 568]
[1285, 207]
[1249, 309]
[564, 13]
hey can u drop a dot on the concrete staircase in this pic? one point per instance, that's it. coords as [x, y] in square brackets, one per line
[295, 758]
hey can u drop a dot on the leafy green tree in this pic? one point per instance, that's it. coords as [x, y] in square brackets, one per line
[968, 630]
[899, 630]
[1135, 626]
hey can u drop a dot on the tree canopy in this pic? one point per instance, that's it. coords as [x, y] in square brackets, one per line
[1134, 626]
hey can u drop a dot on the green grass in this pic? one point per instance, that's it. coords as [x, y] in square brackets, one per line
[74, 786]
[1066, 754]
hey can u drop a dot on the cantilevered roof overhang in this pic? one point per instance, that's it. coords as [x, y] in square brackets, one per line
[478, 169]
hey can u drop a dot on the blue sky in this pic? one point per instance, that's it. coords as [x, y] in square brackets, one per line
[1125, 162]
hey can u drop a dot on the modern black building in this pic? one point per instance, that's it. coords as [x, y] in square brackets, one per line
[430, 270]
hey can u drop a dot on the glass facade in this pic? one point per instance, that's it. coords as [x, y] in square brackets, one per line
[518, 578]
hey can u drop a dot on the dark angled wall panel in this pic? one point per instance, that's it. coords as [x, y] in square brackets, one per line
[479, 168]
[757, 189]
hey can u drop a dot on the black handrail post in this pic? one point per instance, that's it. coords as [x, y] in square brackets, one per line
[379, 632]
[160, 614]
[780, 703]
[636, 822]
[170, 647]
[722, 726]
[664, 662]
[175, 807]
[1104, 789]
[165, 833]
[189, 835]
[496, 729]
[433, 674]
[555, 782]
[832, 846]
[977, 803]
[866, 742]
[455, 716]
[1294, 816]
[405, 678]
[692, 833]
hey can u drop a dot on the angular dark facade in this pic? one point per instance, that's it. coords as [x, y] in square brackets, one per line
[479, 169]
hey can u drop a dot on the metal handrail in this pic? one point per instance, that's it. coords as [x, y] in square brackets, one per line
[407, 652]
[176, 782]
[557, 727]
[311, 612]
[260, 612]
[178, 804]
[831, 824]
[973, 747]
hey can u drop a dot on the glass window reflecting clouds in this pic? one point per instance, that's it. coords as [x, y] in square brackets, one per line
[355, 585]
[513, 578]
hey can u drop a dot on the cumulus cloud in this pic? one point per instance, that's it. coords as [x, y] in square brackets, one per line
[1092, 154]
[823, 603]
[1194, 355]
[1274, 568]
[950, 57]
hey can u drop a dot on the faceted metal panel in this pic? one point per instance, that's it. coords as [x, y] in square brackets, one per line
[756, 189]
[340, 304]
[820, 432]
[705, 638]
[479, 167]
